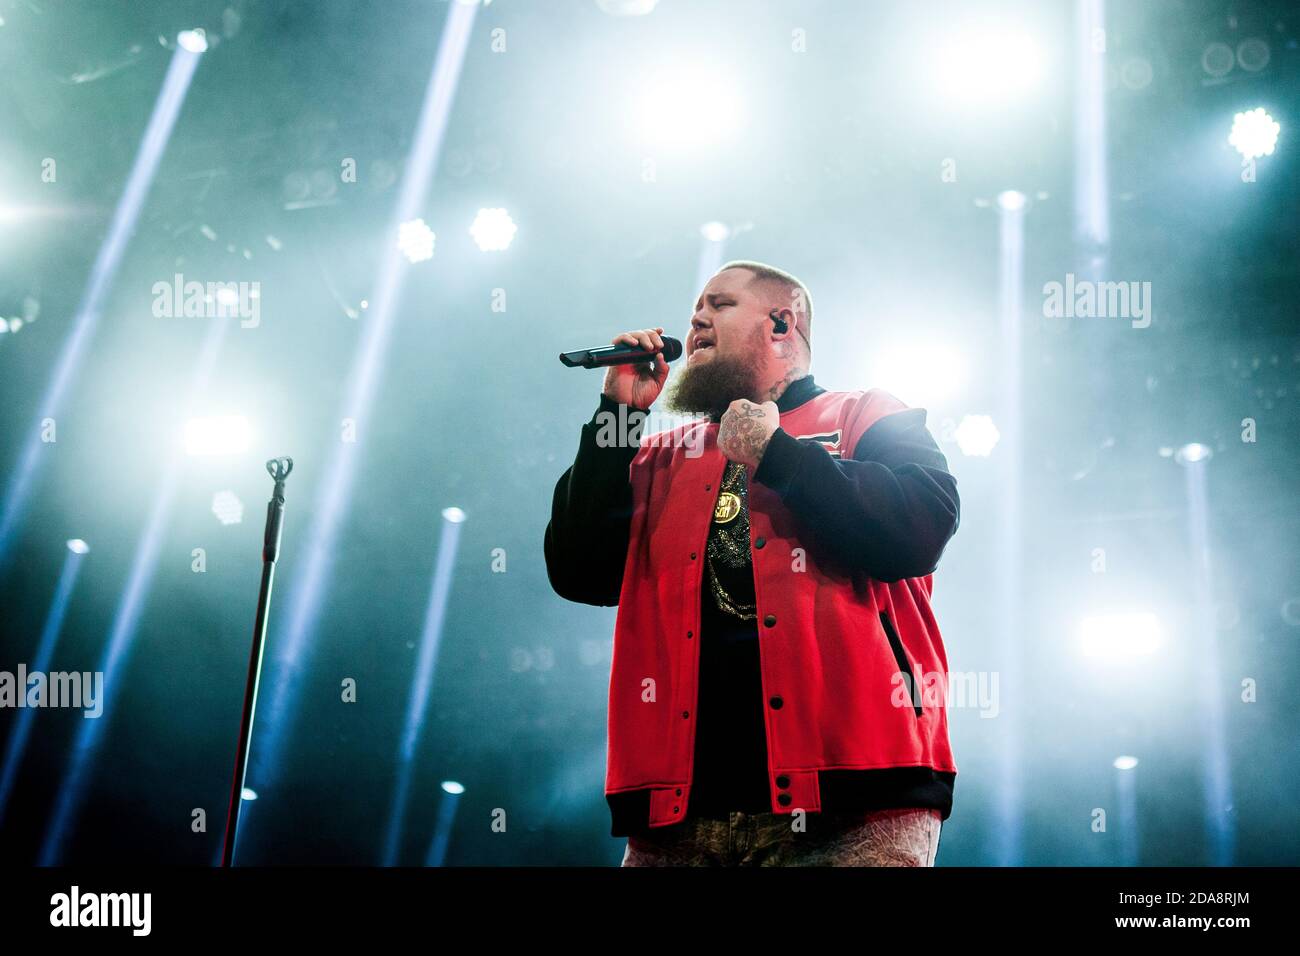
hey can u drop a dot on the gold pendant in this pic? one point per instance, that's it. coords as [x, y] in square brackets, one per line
[727, 508]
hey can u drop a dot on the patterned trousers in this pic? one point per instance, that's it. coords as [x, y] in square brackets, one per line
[879, 838]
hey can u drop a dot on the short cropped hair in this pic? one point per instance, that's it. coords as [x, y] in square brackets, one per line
[792, 290]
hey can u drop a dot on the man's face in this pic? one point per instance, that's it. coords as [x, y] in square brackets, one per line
[726, 348]
[726, 314]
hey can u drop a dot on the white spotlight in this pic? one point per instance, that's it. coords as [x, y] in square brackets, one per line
[1011, 200]
[977, 435]
[248, 793]
[416, 240]
[77, 546]
[715, 231]
[1254, 133]
[920, 374]
[991, 69]
[227, 507]
[1125, 762]
[196, 41]
[686, 107]
[1119, 637]
[217, 435]
[627, 8]
[453, 515]
[493, 229]
[451, 786]
[1193, 452]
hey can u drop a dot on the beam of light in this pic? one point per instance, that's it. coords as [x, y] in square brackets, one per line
[713, 236]
[1215, 769]
[493, 230]
[292, 647]
[1126, 796]
[22, 727]
[417, 704]
[444, 823]
[1254, 133]
[126, 618]
[1120, 638]
[102, 274]
[1009, 547]
[1091, 178]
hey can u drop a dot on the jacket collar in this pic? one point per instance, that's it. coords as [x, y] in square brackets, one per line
[798, 392]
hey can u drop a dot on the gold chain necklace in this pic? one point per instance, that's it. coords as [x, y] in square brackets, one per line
[729, 539]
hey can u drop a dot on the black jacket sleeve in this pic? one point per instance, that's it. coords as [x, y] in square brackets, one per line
[591, 512]
[889, 511]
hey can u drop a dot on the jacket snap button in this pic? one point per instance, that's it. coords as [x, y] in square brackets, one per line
[770, 620]
[679, 792]
[782, 781]
[708, 487]
[759, 542]
[677, 809]
[685, 714]
[689, 635]
[692, 555]
[777, 703]
[784, 799]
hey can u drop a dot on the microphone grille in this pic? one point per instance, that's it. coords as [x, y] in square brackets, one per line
[672, 349]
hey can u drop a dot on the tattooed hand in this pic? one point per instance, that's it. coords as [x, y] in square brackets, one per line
[746, 429]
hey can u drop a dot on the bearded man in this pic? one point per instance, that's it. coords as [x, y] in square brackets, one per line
[778, 688]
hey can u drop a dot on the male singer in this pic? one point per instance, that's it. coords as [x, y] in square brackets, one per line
[778, 683]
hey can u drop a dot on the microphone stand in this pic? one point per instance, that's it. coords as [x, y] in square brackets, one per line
[279, 469]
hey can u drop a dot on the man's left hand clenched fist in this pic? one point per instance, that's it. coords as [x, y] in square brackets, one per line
[745, 430]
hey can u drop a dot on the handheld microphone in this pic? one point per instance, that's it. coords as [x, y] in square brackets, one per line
[621, 354]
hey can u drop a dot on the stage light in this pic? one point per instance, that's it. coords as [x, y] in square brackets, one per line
[493, 229]
[1253, 54]
[227, 507]
[976, 436]
[1193, 452]
[217, 435]
[196, 41]
[1011, 200]
[416, 240]
[686, 107]
[920, 375]
[1125, 763]
[627, 8]
[77, 546]
[715, 231]
[989, 69]
[452, 787]
[1217, 59]
[248, 793]
[1119, 637]
[453, 515]
[1254, 133]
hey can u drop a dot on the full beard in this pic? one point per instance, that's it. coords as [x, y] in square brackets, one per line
[708, 388]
